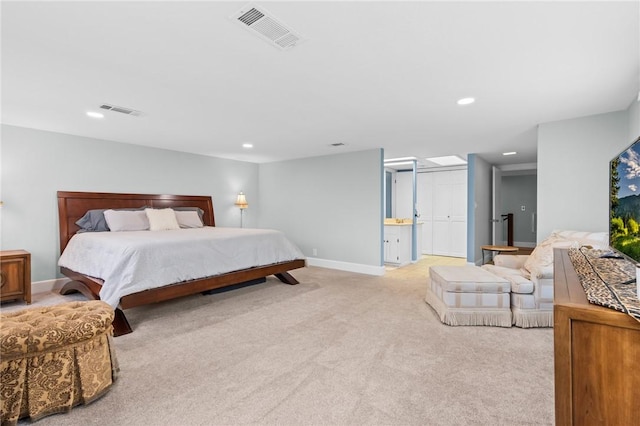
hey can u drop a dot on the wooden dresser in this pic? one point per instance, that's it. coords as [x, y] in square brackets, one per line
[597, 356]
[15, 275]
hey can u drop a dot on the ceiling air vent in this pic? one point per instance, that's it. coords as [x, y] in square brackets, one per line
[259, 22]
[121, 110]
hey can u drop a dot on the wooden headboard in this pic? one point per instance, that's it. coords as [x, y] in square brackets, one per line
[73, 205]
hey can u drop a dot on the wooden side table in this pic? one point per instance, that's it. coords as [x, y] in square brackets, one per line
[15, 275]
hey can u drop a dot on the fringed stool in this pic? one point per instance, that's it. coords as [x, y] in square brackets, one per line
[53, 358]
[469, 295]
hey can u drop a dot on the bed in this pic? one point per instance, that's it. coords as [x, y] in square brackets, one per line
[73, 205]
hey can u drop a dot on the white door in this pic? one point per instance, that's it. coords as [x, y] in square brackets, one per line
[441, 201]
[441, 213]
[458, 214]
[389, 252]
[449, 230]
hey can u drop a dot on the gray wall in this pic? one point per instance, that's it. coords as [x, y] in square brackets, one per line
[518, 191]
[479, 207]
[36, 164]
[331, 203]
[573, 169]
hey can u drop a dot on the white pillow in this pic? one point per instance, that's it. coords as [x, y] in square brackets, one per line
[126, 220]
[188, 219]
[162, 219]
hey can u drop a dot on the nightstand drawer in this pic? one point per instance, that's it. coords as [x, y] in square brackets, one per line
[12, 276]
[15, 275]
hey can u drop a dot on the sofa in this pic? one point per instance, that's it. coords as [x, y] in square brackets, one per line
[531, 276]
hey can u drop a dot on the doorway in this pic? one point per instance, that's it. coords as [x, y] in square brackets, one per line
[515, 195]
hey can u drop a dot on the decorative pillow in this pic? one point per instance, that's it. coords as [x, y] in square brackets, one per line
[188, 219]
[93, 221]
[126, 220]
[162, 219]
[188, 209]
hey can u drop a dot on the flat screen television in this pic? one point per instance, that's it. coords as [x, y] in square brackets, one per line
[624, 203]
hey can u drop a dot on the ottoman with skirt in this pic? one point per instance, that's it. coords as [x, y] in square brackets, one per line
[469, 295]
[53, 358]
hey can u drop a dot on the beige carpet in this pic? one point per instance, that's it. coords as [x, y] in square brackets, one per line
[337, 349]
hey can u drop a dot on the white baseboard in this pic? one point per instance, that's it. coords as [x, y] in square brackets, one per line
[47, 286]
[346, 266]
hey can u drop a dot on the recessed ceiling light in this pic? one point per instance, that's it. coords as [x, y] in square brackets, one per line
[447, 160]
[93, 114]
[509, 153]
[466, 101]
[247, 145]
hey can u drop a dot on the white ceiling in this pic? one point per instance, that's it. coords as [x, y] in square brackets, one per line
[369, 74]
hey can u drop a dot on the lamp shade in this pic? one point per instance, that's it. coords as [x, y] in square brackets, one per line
[241, 201]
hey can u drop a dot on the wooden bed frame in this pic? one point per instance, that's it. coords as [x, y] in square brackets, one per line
[73, 205]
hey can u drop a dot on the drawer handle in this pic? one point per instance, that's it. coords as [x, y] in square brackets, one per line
[3, 280]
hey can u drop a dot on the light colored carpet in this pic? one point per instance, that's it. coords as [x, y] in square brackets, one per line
[337, 349]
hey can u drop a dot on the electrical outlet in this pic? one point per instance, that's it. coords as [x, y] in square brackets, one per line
[315, 252]
[522, 208]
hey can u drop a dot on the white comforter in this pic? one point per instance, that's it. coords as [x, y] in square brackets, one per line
[129, 262]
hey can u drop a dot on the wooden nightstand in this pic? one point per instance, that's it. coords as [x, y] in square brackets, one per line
[15, 276]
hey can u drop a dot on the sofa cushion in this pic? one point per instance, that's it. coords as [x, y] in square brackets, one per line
[468, 279]
[519, 284]
[512, 261]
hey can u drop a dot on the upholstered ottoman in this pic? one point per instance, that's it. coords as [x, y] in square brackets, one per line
[53, 358]
[469, 295]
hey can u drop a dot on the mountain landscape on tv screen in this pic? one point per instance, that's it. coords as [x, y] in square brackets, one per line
[629, 207]
[624, 221]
